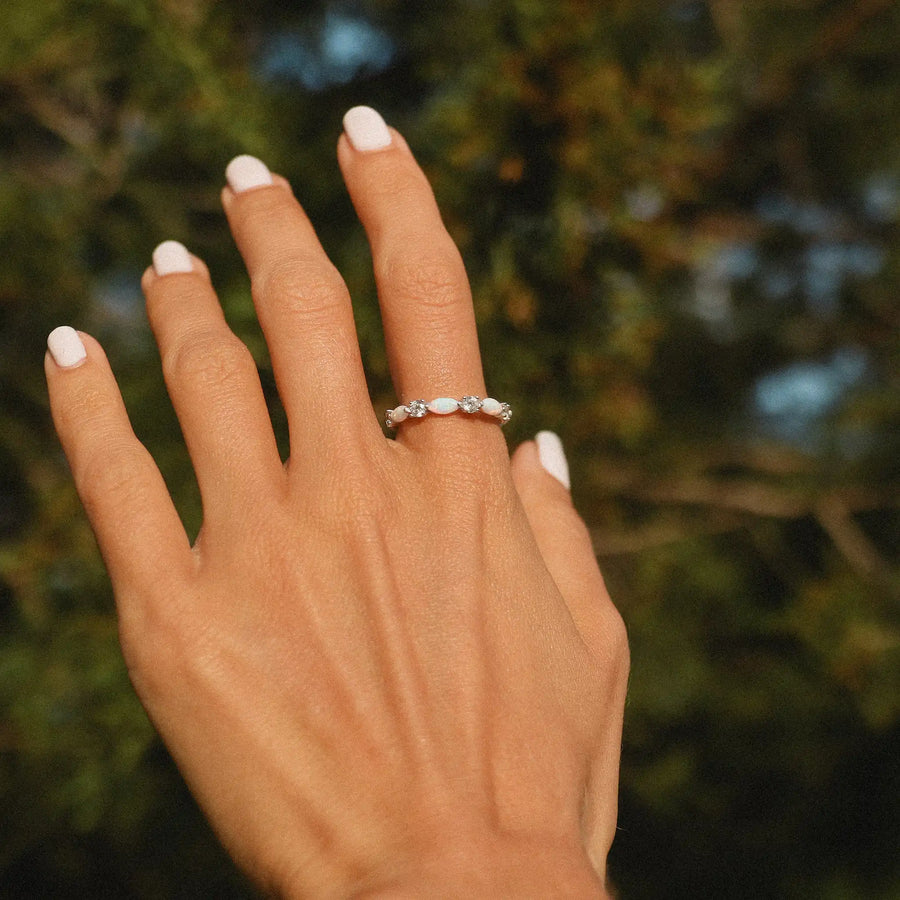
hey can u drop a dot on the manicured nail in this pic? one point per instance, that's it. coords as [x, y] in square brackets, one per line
[552, 456]
[366, 129]
[170, 257]
[246, 172]
[64, 344]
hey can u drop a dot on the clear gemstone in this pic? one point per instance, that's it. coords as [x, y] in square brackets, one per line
[470, 404]
[505, 413]
[491, 406]
[417, 409]
[443, 405]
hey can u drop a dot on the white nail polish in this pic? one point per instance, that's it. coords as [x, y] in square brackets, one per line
[246, 172]
[552, 456]
[366, 129]
[170, 257]
[65, 346]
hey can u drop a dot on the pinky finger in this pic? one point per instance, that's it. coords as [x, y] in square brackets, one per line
[139, 532]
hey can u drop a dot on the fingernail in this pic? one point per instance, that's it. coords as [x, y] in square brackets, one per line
[366, 129]
[65, 346]
[170, 257]
[552, 456]
[246, 172]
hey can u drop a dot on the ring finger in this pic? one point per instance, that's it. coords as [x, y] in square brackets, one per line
[212, 380]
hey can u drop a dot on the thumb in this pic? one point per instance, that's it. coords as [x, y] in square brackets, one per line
[541, 476]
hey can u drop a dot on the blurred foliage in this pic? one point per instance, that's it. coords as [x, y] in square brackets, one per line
[681, 224]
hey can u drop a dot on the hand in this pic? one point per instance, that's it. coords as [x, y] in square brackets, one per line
[387, 667]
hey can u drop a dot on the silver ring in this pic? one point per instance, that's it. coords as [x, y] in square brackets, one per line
[443, 406]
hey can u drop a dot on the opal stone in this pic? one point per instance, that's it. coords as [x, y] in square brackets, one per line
[399, 414]
[443, 405]
[491, 406]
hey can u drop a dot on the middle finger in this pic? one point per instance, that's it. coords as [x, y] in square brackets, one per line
[303, 308]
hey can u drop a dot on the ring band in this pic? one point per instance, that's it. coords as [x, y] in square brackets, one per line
[443, 406]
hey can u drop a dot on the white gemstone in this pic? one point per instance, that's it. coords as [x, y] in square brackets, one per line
[399, 414]
[443, 405]
[491, 406]
[416, 409]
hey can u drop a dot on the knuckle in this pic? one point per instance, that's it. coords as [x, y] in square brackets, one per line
[465, 475]
[615, 634]
[212, 359]
[86, 408]
[357, 497]
[111, 474]
[301, 286]
[401, 180]
[435, 277]
[159, 640]
[360, 509]
[188, 292]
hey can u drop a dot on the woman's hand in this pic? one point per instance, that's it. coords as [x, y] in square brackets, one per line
[388, 667]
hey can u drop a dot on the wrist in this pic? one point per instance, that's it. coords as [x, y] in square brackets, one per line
[495, 869]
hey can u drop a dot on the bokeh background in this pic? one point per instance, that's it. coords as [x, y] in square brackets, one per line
[681, 224]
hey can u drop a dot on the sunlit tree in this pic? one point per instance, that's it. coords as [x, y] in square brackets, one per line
[681, 225]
